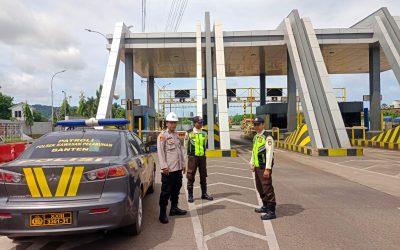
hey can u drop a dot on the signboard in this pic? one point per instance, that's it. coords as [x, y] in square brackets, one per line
[183, 93]
[274, 92]
[231, 92]
[367, 98]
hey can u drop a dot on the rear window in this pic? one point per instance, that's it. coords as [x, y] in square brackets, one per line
[82, 144]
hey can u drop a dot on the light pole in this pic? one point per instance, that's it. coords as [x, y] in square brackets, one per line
[52, 98]
[97, 32]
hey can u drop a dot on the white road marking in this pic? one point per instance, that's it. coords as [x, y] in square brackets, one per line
[197, 228]
[6, 243]
[231, 175]
[215, 201]
[233, 229]
[226, 184]
[269, 230]
[242, 169]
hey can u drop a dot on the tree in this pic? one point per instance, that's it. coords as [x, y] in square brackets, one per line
[38, 117]
[98, 95]
[28, 116]
[82, 108]
[118, 111]
[5, 105]
[91, 107]
[65, 109]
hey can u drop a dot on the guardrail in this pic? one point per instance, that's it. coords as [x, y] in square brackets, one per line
[353, 134]
[276, 130]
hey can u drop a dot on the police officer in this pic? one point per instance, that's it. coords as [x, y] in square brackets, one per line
[261, 163]
[172, 163]
[196, 144]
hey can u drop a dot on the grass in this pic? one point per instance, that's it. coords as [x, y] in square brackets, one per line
[13, 140]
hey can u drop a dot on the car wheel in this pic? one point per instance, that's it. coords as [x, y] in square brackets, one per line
[136, 227]
[150, 190]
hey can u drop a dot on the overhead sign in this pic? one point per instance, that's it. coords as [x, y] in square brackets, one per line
[183, 93]
[231, 92]
[274, 92]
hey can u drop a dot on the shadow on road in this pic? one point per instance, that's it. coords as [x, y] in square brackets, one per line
[283, 210]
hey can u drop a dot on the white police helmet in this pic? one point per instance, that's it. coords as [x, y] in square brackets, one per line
[171, 117]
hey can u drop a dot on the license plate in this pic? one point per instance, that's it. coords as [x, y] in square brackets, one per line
[51, 219]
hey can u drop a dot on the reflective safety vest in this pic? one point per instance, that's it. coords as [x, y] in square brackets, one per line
[263, 148]
[197, 143]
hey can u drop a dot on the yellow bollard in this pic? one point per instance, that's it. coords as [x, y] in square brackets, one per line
[140, 127]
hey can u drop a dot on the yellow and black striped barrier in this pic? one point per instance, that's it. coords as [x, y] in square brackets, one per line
[389, 139]
[300, 141]
[221, 153]
[300, 149]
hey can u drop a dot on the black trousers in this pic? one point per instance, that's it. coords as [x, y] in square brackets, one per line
[170, 188]
[195, 162]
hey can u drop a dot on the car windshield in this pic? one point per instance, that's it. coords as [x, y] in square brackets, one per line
[75, 144]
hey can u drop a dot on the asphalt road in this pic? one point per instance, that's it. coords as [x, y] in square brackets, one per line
[323, 203]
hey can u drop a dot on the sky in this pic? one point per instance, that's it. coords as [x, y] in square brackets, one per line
[41, 37]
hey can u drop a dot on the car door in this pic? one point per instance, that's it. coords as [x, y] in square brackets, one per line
[145, 156]
[137, 154]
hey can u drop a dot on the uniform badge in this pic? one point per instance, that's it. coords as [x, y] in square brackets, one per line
[170, 141]
[269, 143]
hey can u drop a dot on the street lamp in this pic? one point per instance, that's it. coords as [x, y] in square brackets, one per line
[97, 32]
[52, 98]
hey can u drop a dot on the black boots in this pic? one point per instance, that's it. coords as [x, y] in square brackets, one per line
[270, 213]
[175, 210]
[262, 209]
[163, 215]
[204, 195]
[190, 195]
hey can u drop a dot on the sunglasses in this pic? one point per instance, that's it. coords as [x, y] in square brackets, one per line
[257, 124]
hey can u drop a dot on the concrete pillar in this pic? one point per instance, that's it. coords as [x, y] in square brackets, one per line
[262, 89]
[129, 83]
[199, 72]
[209, 83]
[150, 91]
[375, 88]
[291, 98]
[223, 120]
[110, 78]
[262, 76]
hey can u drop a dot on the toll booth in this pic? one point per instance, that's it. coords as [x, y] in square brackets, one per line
[146, 115]
[351, 113]
[275, 115]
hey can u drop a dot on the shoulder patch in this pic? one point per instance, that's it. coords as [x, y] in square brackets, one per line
[162, 137]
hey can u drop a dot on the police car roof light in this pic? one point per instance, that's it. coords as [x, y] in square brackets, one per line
[92, 122]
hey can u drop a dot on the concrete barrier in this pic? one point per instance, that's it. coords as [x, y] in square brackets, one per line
[11, 151]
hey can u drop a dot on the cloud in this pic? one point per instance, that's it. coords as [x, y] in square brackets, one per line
[36, 40]
[22, 26]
